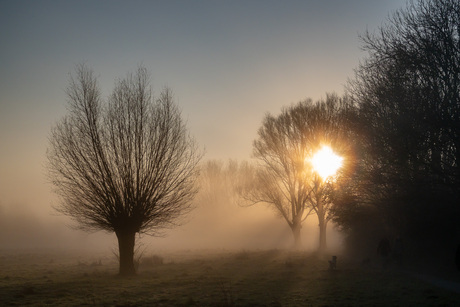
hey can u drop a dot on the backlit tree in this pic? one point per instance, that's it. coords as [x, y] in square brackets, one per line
[125, 165]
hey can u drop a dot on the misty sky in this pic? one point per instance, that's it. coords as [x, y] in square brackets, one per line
[228, 63]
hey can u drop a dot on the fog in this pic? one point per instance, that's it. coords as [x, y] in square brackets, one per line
[22, 228]
[216, 223]
[228, 226]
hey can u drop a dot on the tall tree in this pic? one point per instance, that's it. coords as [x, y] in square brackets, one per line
[408, 93]
[284, 178]
[126, 165]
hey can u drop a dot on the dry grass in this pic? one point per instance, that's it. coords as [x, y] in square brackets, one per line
[247, 278]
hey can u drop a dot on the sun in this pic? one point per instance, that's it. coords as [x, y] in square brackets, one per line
[326, 162]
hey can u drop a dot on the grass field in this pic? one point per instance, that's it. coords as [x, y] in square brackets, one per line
[255, 278]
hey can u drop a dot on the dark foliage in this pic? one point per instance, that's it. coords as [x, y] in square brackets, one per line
[408, 96]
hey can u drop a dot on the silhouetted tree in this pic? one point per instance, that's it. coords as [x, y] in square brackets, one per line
[408, 93]
[126, 165]
[284, 178]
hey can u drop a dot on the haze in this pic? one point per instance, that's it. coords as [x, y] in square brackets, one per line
[228, 63]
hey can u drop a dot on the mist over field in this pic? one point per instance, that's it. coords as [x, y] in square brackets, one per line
[210, 226]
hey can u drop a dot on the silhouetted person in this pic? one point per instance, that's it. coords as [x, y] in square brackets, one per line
[457, 257]
[333, 263]
[383, 250]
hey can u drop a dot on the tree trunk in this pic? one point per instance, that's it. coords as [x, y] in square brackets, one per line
[126, 242]
[322, 235]
[322, 223]
[296, 232]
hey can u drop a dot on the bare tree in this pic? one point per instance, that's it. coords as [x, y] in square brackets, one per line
[320, 202]
[126, 166]
[284, 178]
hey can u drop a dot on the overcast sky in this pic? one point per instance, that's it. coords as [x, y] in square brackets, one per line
[228, 63]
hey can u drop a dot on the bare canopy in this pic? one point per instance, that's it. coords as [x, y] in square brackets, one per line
[126, 165]
[284, 178]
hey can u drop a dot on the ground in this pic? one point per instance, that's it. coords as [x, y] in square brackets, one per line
[211, 278]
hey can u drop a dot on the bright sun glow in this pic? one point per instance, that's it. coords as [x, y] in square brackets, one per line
[326, 162]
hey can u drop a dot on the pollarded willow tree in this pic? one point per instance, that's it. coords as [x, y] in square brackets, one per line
[125, 165]
[284, 178]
